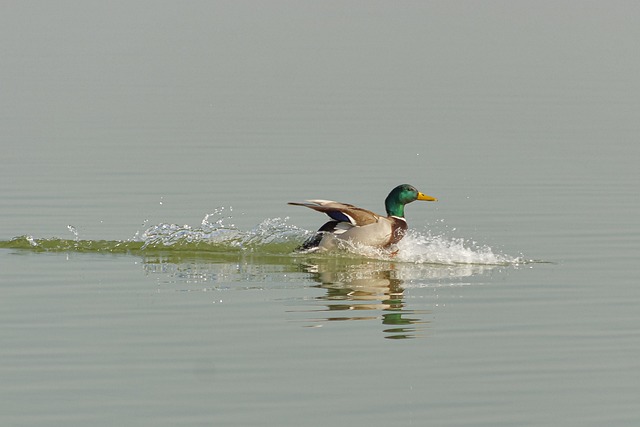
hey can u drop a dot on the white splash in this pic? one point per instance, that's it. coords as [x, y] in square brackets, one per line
[215, 231]
[425, 248]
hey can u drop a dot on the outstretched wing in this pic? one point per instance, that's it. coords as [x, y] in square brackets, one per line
[342, 212]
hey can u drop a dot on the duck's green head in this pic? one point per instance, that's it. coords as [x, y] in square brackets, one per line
[400, 196]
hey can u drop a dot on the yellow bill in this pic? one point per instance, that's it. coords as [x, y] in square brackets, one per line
[422, 196]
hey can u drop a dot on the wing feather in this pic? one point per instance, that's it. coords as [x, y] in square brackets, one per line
[342, 212]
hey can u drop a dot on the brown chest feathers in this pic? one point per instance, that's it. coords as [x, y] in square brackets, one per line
[399, 229]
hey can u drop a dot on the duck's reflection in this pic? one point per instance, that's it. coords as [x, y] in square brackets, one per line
[368, 291]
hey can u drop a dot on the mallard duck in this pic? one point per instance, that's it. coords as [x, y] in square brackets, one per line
[360, 226]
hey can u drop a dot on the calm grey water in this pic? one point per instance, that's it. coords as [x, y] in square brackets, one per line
[522, 118]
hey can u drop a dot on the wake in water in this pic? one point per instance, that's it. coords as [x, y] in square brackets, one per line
[270, 236]
[273, 236]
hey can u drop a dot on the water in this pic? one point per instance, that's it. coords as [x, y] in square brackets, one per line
[148, 273]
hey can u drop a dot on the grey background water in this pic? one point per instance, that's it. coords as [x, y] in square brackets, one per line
[521, 117]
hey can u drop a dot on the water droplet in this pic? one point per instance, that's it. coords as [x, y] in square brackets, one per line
[73, 230]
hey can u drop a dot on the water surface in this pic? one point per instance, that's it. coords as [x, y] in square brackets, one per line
[148, 273]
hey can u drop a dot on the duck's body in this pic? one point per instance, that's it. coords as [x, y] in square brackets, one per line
[361, 226]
